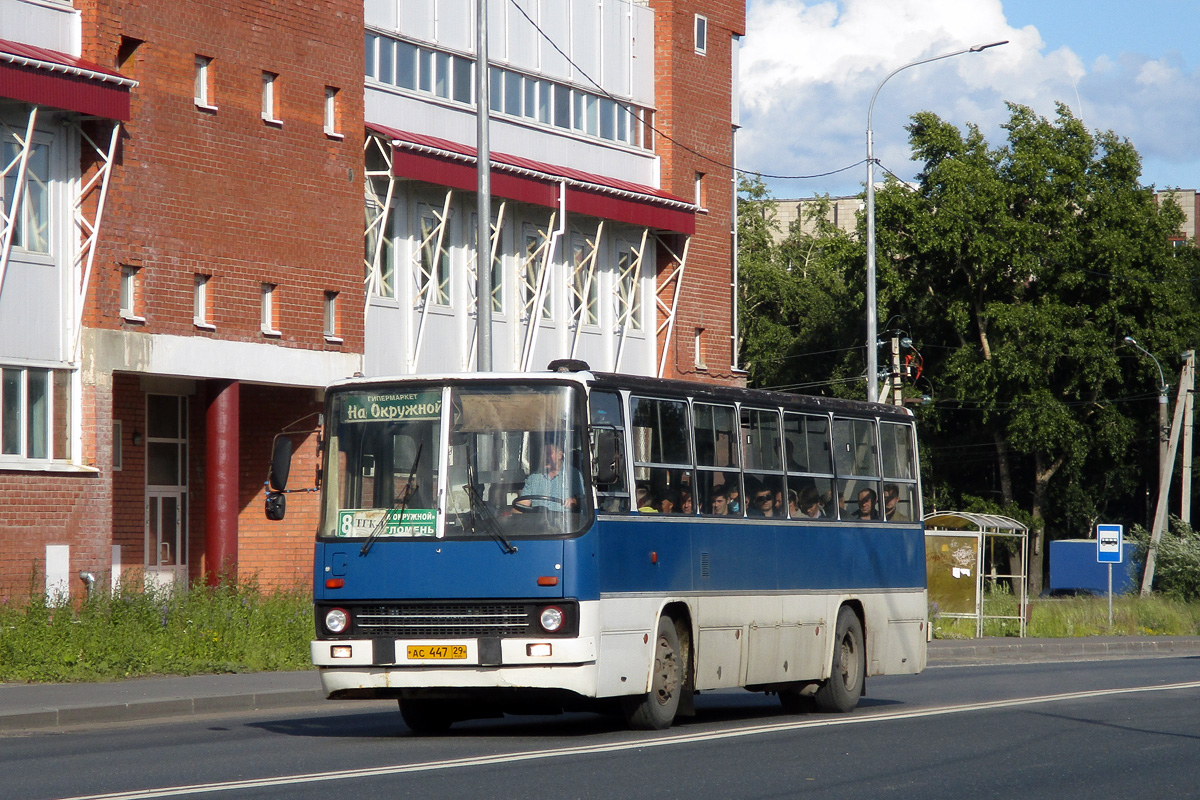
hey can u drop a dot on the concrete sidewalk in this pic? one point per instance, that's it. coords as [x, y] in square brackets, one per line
[49, 705]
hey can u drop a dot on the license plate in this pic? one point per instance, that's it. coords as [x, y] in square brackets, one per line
[437, 652]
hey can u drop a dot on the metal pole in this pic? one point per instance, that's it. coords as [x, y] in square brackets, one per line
[1185, 489]
[1164, 427]
[483, 230]
[872, 311]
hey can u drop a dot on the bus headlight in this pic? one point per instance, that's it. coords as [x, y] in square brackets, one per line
[337, 620]
[551, 618]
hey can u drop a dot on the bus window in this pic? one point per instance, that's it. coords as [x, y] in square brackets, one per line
[901, 503]
[718, 476]
[763, 463]
[855, 457]
[605, 413]
[809, 462]
[662, 461]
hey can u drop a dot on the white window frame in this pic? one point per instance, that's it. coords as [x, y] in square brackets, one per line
[201, 301]
[33, 225]
[700, 34]
[203, 89]
[331, 109]
[270, 99]
[129, 305]
[331, 318]
[268, 321]
[21, 457]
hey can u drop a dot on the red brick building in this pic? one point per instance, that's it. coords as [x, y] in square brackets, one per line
[182, 243]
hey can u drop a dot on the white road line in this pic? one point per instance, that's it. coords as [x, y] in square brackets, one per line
[668, 740]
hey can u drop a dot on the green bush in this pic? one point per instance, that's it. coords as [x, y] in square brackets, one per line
[127, 633]
[1177, 559]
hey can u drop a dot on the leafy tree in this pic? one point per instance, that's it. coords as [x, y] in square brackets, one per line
[797, 311]
[1023, 267]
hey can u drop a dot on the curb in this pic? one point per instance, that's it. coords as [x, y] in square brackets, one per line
[981, 653]
[158, 709]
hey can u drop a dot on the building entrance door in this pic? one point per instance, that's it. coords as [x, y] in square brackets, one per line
[166, 491]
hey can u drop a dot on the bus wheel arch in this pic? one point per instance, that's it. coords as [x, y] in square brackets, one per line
[670, 676]
[847, 678]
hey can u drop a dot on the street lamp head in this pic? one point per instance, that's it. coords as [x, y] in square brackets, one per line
[1130, 340]
[981, 47]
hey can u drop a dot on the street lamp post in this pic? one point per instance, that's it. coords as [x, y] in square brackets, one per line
[872, 311]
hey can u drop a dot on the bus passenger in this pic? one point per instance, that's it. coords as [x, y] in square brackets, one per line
[720, 502]
[558, 486]
[686, 505]
[866, 505]
[764, 503]
[809, 502]
[645, 500]
[669, 502]
[891, 498]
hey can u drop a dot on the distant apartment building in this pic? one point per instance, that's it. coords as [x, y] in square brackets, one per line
[842, 212]
[211, 211]
[1189, 202]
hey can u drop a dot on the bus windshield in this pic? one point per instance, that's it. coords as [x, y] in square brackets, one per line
[469, 461]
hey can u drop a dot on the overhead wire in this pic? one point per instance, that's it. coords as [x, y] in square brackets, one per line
[659, 132]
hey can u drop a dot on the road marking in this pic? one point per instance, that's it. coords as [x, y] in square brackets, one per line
[666, 741]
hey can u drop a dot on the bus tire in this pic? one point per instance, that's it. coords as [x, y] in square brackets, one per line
[426, 717]
[655, 710]
[845, 685]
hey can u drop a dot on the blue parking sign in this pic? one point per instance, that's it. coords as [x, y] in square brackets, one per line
[1109, 539]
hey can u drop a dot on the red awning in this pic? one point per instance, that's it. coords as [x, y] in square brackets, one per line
[50, 78]
[447, 163]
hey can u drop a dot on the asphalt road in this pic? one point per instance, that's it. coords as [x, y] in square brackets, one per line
[1095, 730]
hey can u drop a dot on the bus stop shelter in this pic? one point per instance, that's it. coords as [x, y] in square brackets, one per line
[959, 548]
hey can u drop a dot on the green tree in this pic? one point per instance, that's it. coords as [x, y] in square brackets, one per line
[797, 312]
[1022, 267]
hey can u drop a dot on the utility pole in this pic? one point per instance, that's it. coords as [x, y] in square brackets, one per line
[1160, 509]
[1185, 488]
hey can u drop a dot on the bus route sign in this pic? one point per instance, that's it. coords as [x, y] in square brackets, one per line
[392, 406]
[1108, 543]
[412, 523]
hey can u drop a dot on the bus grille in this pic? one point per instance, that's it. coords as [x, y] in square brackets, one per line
[413, 621]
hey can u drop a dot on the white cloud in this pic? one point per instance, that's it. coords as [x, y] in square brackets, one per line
[808, 70]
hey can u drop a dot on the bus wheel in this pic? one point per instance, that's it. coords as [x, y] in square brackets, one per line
[655, 710]
[426, 716]
[841, 692]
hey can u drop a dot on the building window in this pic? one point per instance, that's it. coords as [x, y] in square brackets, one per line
[331, 112]
[433, 280]
[701, 34]
[35, 414]
[698, 349]
[270, 99]
[31, 226]
[331, 318]
[269, 319]
[203, 91]
[202, 308]
[117, 447]
[131, 294]
[700, 189]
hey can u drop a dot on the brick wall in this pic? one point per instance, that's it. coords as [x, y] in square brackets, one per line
[694, 109]
[222, 192]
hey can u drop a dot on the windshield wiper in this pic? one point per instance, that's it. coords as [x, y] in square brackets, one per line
[412, 472]
[482, 511]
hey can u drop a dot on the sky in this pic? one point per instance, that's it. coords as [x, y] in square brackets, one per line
[808, 69]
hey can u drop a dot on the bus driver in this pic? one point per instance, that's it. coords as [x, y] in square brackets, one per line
[558, 486]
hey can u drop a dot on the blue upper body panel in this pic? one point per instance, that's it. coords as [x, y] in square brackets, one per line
[633, 554]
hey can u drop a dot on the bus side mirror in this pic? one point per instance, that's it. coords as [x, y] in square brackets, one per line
[276, 505]
[281, 463]
[606, 456]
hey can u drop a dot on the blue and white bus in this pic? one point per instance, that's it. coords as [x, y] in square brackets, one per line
[677, 538]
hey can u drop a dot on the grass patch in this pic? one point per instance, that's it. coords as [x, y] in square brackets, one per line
[126, 633]
[1133, 615]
